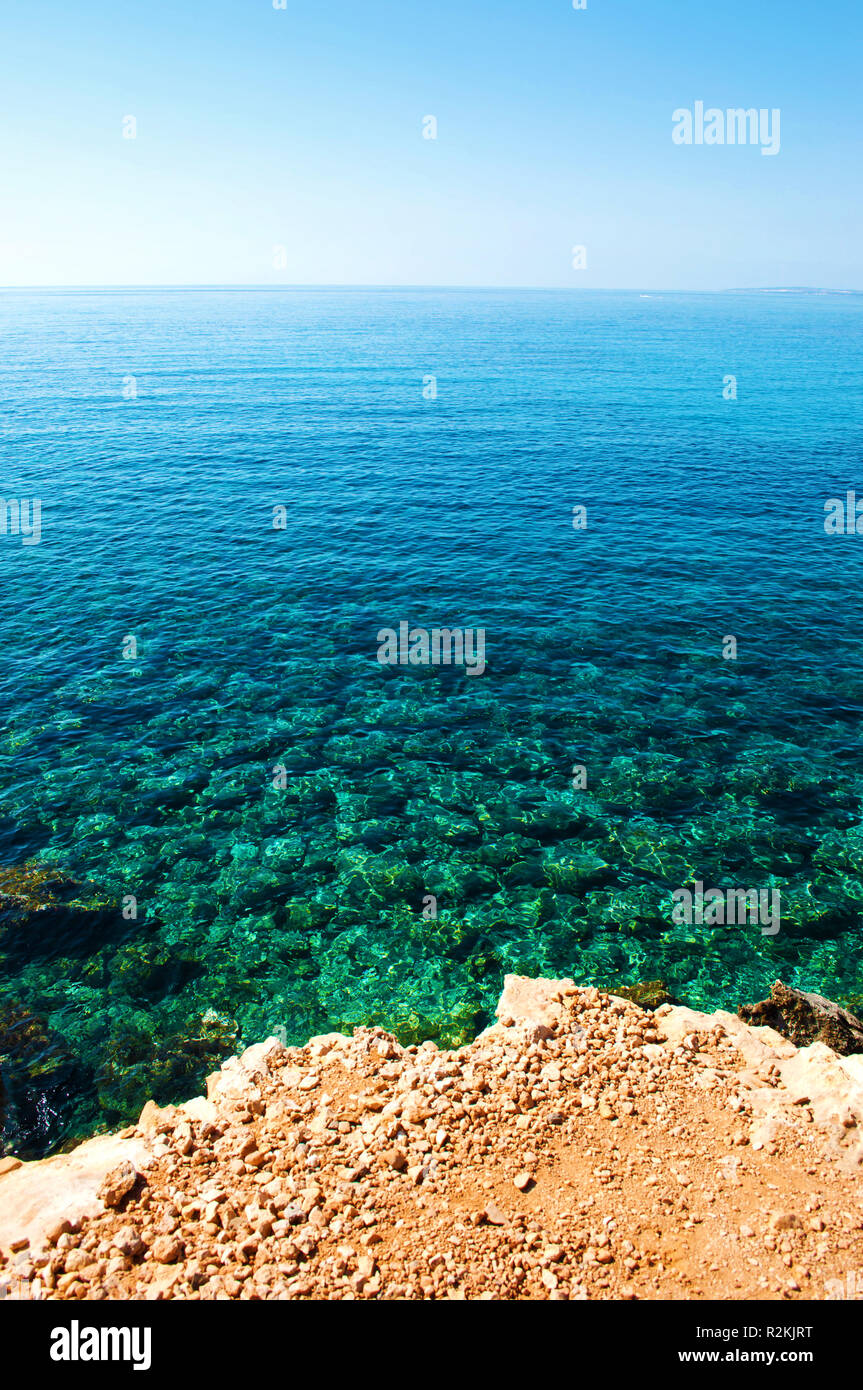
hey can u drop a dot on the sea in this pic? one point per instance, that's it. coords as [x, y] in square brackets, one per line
[225, 814]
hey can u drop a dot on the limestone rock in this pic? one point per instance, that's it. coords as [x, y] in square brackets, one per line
[538, 1004]
[118, 1184]
[37, 1196]
[167, 1250]
[806, 1018]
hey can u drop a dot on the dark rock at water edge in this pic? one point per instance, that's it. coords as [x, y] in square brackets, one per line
[40, 1082]
[806, 1018]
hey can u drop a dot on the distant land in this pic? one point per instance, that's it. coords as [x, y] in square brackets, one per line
[789, 289]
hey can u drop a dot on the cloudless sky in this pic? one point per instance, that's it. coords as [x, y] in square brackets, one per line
[301, 128]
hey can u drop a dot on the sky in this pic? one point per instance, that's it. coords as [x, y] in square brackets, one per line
[286, 146]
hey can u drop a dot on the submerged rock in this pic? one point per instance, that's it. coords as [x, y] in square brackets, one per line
[40, 1078]
[34, 887]
[806, 1018]
[30, 887]
[648, 994]
[140, 1064]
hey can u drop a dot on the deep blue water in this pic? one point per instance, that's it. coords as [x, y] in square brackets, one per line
[301, 907]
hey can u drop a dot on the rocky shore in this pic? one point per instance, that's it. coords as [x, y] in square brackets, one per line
[581, 1148]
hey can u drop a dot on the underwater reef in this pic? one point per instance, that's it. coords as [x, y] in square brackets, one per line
[392, 874]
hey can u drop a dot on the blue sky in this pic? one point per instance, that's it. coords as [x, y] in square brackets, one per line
[301, 129]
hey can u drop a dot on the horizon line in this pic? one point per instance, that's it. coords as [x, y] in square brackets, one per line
[357, 285]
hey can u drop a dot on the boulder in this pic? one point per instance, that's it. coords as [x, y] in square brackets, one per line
[805, 1019]
[537, 1005]
[118, 1184]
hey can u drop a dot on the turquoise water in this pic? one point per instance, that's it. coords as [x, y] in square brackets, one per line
[302, 906]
